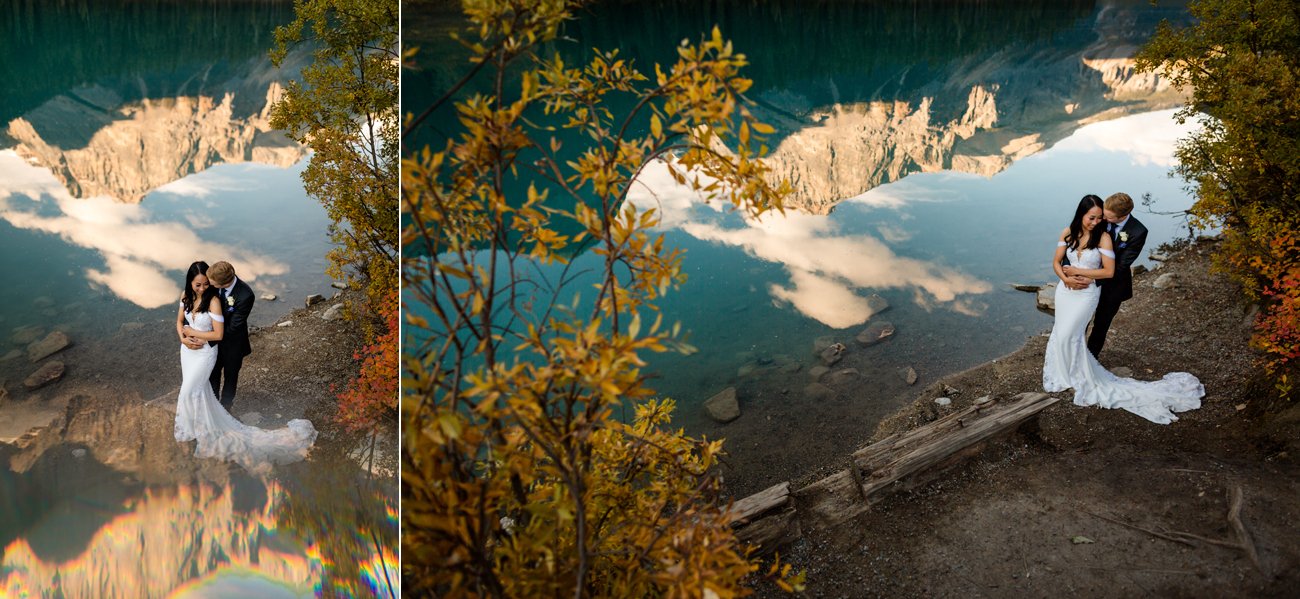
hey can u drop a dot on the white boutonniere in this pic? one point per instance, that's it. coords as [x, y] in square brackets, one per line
[1123, 236]
[230, 301]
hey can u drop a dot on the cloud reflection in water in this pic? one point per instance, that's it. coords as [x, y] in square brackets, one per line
[141, 256]
[829, 270]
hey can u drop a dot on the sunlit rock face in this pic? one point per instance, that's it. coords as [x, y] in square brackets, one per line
[98, 144]
[1017, 101]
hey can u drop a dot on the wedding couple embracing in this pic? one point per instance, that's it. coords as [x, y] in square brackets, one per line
[212, 324]
[1093, 259]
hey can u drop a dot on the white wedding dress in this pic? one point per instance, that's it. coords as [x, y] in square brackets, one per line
[1069, 364]
[200, 416]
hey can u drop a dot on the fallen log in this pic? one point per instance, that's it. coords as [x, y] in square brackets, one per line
[902, 461]
[910, 459]
[766, 519]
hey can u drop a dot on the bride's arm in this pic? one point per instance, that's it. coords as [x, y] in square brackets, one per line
[218, 324]
[1058, 256]
[1107, 269]
[180, 322]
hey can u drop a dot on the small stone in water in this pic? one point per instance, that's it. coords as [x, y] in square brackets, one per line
[270, 297]
[78, 453]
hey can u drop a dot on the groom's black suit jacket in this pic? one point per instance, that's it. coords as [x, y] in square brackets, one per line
[236, 332]
[1120, 286]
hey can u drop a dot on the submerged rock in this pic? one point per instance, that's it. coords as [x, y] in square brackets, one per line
[1026, 287]
[908, 375]
[822, 343]
[50, 345]
[847, 375]
[50, 372]
[723, 407]
[816, 372]
[877, 304]
[27, 334]
[875, 333]
[818, 392]
[833, 354]
[16, 353]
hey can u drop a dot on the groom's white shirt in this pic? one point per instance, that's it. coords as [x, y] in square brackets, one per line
[1114, 228]
[231, 286]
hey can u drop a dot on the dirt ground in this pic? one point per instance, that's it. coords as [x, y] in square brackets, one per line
[1086, 505]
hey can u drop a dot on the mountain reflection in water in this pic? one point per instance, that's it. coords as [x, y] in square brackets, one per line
[107, 507]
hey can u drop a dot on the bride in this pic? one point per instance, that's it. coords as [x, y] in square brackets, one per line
[199, 416]
[1068, 363]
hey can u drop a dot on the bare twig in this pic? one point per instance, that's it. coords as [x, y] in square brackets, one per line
[1243, 537]
[1146, 530]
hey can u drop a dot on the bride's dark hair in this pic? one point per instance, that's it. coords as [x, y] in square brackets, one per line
[188, 300]
[1075, 235]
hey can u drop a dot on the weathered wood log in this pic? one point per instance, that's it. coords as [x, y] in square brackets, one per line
[771, 498]
[905, 462]
[766, 519]
[772, 531]
[913, 458]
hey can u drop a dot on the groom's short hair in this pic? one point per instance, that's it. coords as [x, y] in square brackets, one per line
[1119, 203]
[221, 274]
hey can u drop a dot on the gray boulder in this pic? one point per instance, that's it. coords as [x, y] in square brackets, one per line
[877, 304]
[723, 407]
[1166, 281]
[875, 333]
[841, 377]
[818, 392]
[50, 345]
[832, 354]
[334, 312]
[46, 374]
[1047, 298]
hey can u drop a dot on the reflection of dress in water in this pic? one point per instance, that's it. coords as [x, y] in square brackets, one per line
[199, 416]
[1068, 362]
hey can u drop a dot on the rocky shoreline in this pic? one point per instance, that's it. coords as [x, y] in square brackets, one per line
[298, 365]
[1078, 504]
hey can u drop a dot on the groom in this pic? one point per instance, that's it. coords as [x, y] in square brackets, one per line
[1128, 235]
[237, 303]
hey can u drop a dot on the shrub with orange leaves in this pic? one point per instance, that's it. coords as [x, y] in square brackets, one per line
[371, 397]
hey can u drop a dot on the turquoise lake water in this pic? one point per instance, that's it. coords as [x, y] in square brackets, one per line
[134, 140]
[936, 151]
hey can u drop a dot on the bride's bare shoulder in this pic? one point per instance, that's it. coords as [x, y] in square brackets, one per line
[1064, 232]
